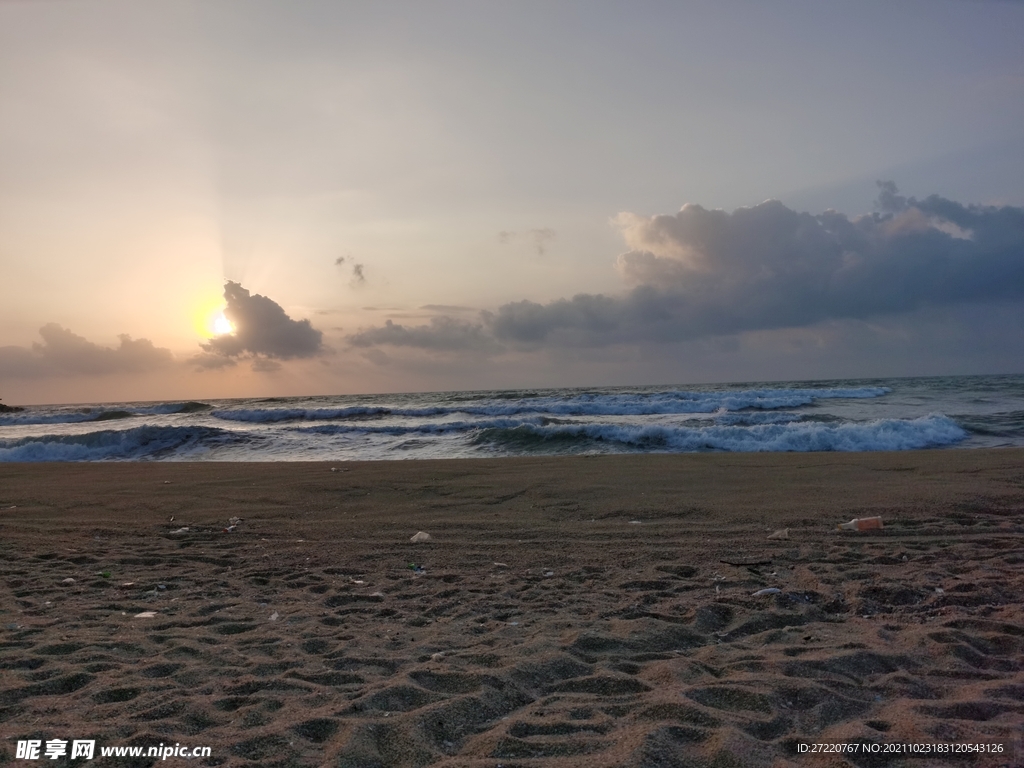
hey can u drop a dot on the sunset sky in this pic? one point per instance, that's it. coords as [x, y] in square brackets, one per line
[402, 196]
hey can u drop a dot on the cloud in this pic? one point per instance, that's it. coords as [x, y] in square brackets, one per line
[358, 271]
[64, 352]
[539, 237]
[708, 272]
[443, 333]
[263, 328]
[702, 273]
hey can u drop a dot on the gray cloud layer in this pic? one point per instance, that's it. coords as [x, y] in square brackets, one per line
[443, 333]
[701, 273]
[64, 352]
[261, 328]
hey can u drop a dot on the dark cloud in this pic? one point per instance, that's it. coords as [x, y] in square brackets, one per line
[263, 328]
[64, 352]
[443, 333]
[702, 273]
[707, 272]
[207, 361]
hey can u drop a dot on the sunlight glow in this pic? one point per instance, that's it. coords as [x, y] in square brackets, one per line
[222, 325]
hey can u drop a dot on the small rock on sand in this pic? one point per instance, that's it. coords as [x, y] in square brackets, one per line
[68, 580]
[420, 537]
[146, 615]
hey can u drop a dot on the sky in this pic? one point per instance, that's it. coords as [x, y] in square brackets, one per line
[234, 198]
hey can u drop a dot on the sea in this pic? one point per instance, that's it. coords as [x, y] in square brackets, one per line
[950, 412]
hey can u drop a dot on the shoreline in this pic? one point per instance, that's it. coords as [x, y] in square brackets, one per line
[568, 611]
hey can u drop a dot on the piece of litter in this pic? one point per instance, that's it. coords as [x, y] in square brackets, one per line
[862, 524]
[234, 521]
[513, 623]
[167, 482]
[782, 533]
[502, 565]
[548, 574]
[437, 656]
[358, 581]
[274, 615]
[161, 586]
[768, 591]
[180, 531]
[334, 469]
[68, 580]
[128, 584]
[230, 529]
[940, 591]
[634, 522]
[146, 615]
[421, 536]
[377, 594]
[13, 506]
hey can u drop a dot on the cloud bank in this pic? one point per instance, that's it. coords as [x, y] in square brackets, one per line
[702, 273]
[64, 352]
[262, 328]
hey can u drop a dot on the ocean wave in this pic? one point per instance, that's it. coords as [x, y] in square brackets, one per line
[584, 404]
[147, 442]
[431, 428]
[190, 406]
[28, 418]
[275, 415]
[881, 435]
[81, 415]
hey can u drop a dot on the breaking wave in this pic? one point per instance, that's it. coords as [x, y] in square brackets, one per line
[583, 404]
[880, 435]
[146, 442]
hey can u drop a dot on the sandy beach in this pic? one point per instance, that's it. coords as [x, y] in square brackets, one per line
[589, 611]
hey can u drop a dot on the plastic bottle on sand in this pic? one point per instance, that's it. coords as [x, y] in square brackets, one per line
[862, 524]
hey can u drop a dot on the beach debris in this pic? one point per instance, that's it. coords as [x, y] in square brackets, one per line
[180, 531]
[171, 520]
[500, 565]
[274, 616]
[234, 520]
[548, 574]
[420, 537]
[167, 482]
[636, 522]
[13, 506]
[768, 591]
[230, 529]
[862, 524]
[416, 568]
[782, 533]
[68, 580]
[104, 574]
[437, 656]
[377, 594]
[161, 586]
[128, 584]
[358, 581]
[146, 615]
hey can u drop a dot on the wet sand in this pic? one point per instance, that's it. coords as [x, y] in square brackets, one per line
[589, 611]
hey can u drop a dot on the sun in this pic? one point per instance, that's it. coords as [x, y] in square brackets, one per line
[221, 325]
